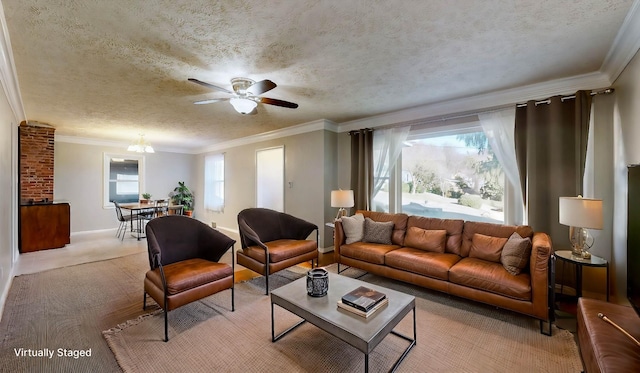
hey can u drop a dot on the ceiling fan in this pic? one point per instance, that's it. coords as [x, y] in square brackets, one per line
[245, 94]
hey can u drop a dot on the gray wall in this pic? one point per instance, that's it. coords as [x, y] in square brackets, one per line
[78, 179]
[626, 151]
[309, 160]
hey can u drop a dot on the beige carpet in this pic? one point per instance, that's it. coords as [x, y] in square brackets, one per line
[454, 335]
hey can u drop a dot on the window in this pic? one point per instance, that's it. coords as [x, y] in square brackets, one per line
[123, 180]
[214, 182]
[452, 176]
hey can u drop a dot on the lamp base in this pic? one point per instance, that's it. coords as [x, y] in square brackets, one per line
[341, 212]
[579, 237]
[577, 252]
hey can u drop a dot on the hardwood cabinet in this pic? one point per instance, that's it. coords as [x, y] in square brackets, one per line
[44, 226]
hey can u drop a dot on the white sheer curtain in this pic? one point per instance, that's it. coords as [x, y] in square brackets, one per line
[387, 145]
[214, 182]
[499, 127]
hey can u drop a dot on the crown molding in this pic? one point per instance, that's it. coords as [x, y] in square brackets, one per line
[115, 144]
[483, 102]
[317, 125]
[321, 124]
[8, 72]
[625, 45]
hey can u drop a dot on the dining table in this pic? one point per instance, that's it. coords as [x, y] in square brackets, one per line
[141, 212]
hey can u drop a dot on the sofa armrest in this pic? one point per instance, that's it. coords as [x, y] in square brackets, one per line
[339, 239]
[539, 267]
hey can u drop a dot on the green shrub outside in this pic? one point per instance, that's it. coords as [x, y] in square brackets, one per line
[471, 200]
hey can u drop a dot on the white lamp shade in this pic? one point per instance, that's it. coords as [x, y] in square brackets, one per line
[243, 105]
[581, 212]
[342, 198]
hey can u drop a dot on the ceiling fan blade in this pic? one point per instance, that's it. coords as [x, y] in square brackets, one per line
[210, 101]
[205, 84]
[273, 101]
[261, 87]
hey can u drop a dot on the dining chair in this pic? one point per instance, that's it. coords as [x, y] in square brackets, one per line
[162, 207]
[175, 209]
[124, 220]
[184, 260]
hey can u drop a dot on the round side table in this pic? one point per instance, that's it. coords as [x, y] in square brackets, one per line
[594, 261]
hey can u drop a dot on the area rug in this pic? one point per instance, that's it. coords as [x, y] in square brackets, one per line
[453, 335]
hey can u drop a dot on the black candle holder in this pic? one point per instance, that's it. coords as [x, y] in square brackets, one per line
[317, 282]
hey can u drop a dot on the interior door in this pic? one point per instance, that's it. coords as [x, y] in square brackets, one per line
[270, 178]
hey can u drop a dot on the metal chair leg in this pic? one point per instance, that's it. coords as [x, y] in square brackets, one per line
[267, 283]
[166, 327]
[233, 275]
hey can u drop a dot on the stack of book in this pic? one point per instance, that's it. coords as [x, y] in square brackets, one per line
[363, 301]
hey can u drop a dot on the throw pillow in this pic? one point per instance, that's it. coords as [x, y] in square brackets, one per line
[426, 239]
[353, 227]
[486, 247]
[516, 253]
[377, 232]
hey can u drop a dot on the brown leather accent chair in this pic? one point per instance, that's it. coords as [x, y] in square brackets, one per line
[183, 256]
[272, 241]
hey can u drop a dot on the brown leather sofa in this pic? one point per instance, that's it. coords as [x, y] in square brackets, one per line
[603, 348]
[455, 271]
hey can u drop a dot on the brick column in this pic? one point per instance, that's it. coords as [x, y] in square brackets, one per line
[36, 162]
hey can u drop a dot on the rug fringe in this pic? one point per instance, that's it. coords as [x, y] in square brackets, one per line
[120, 327]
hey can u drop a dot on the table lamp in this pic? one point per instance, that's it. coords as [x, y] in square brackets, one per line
[579, 214]
[341, 198]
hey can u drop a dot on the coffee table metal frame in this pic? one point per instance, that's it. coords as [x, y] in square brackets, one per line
[362, 333]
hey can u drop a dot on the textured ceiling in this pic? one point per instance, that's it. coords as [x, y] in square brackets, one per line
[113, 69]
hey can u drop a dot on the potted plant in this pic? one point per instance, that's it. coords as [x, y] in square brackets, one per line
[182, 195]
[146, 197]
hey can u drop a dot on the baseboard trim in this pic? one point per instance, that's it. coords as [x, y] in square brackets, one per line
[5, 293]
[325, 250]
[81, 233]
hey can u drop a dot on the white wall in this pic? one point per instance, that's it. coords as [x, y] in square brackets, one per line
[8, 204]
[78, 179]
[309, 178]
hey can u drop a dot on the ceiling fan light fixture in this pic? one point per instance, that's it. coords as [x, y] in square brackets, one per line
[140, 146]
[243, 105]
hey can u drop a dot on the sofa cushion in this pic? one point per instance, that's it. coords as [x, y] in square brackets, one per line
[487, 247]
[452, 226]
[426, 239]
[492, 277]
[490, 229]
[367, 252]
[353, 227]
[377, 232]
[515, 254]
[399, 223]
[422, 262]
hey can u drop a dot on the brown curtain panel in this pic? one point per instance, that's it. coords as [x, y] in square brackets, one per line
[362, 167]
[551, 147]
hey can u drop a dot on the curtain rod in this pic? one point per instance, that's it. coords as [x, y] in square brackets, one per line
[472, 114]
[605, 91]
